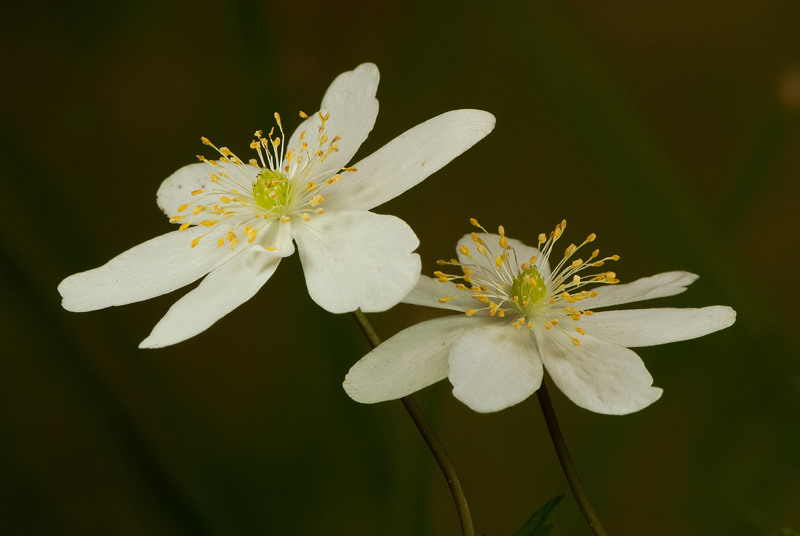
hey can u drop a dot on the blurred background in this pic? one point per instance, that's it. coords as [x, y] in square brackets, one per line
[669, 129]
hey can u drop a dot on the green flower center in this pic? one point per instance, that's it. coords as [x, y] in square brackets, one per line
[528, 289]
[271, 189]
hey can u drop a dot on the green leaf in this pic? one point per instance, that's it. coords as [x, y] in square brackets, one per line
[539, 522]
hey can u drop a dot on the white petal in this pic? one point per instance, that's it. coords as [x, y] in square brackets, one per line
[153, 268]
[352, 105]
[222, 291]
[176, 190]
[428, 290]
[409, 159]
[275, 239]
[646, 288]
[357, 260]
[520, 254]
[411, 360]
[647, 327]
[495, 366]
[597, 375]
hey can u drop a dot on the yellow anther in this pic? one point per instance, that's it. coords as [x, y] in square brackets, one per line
[316, 200]
[196, 241]
[285, 219]
[183, 207]
[461, 286]
[206, 141]
[176, 219]
[231, 236]
[445, 299]
[209, 223]
[220, 242]
[503, 242]
[501, 230]
[591, 237]
[575, 341]
[234, 242]
[576, 280]
[614, 257]
[474, 222]
[498, 262]
[464, 250]
[530, 325]
[198, 209]
[225, 151]
[303, 114]
[197, 192]
[470, 312]
[320, 210]
[575, 316]
[305, 216]
[184, 226]
[278, 119]
[580, 330]
[548, 325]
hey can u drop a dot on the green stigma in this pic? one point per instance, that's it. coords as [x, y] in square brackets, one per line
[529, 286]
[271, 189]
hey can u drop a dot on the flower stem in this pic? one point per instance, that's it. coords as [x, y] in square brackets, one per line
[566, 462]
[429, 436]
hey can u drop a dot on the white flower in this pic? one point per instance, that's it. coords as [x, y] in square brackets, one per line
[237, 220]
[521, 317]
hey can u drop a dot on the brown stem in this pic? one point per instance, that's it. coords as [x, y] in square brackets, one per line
[429, 436]
[566, 462]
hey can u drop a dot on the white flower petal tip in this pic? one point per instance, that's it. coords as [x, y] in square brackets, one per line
[529, 317]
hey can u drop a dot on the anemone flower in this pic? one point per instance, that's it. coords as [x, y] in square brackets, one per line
[239, 219]
[521, 317]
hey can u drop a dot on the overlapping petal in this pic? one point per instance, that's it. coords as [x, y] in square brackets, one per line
[646, 288]
[357, 260]
[411, 360]
[156, 267]
[597, 375]
[219, 293]
[493, 367]
[351, 103]
[409, 159]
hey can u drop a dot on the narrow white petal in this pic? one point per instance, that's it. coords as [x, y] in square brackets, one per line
[357, 260]
[351, 103]
[409, 159]
[647, 327]
[222, 291]
[428, 290]
[646, 288]
[520, 253]
[597, 375]
[411, 360]
[495, 366]
[176, 190]
[153, 268]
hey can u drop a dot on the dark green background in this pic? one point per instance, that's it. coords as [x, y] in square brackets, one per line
[671, 129]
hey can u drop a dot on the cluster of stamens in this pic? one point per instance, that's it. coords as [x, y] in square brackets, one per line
[281, 183]
[504, 285]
